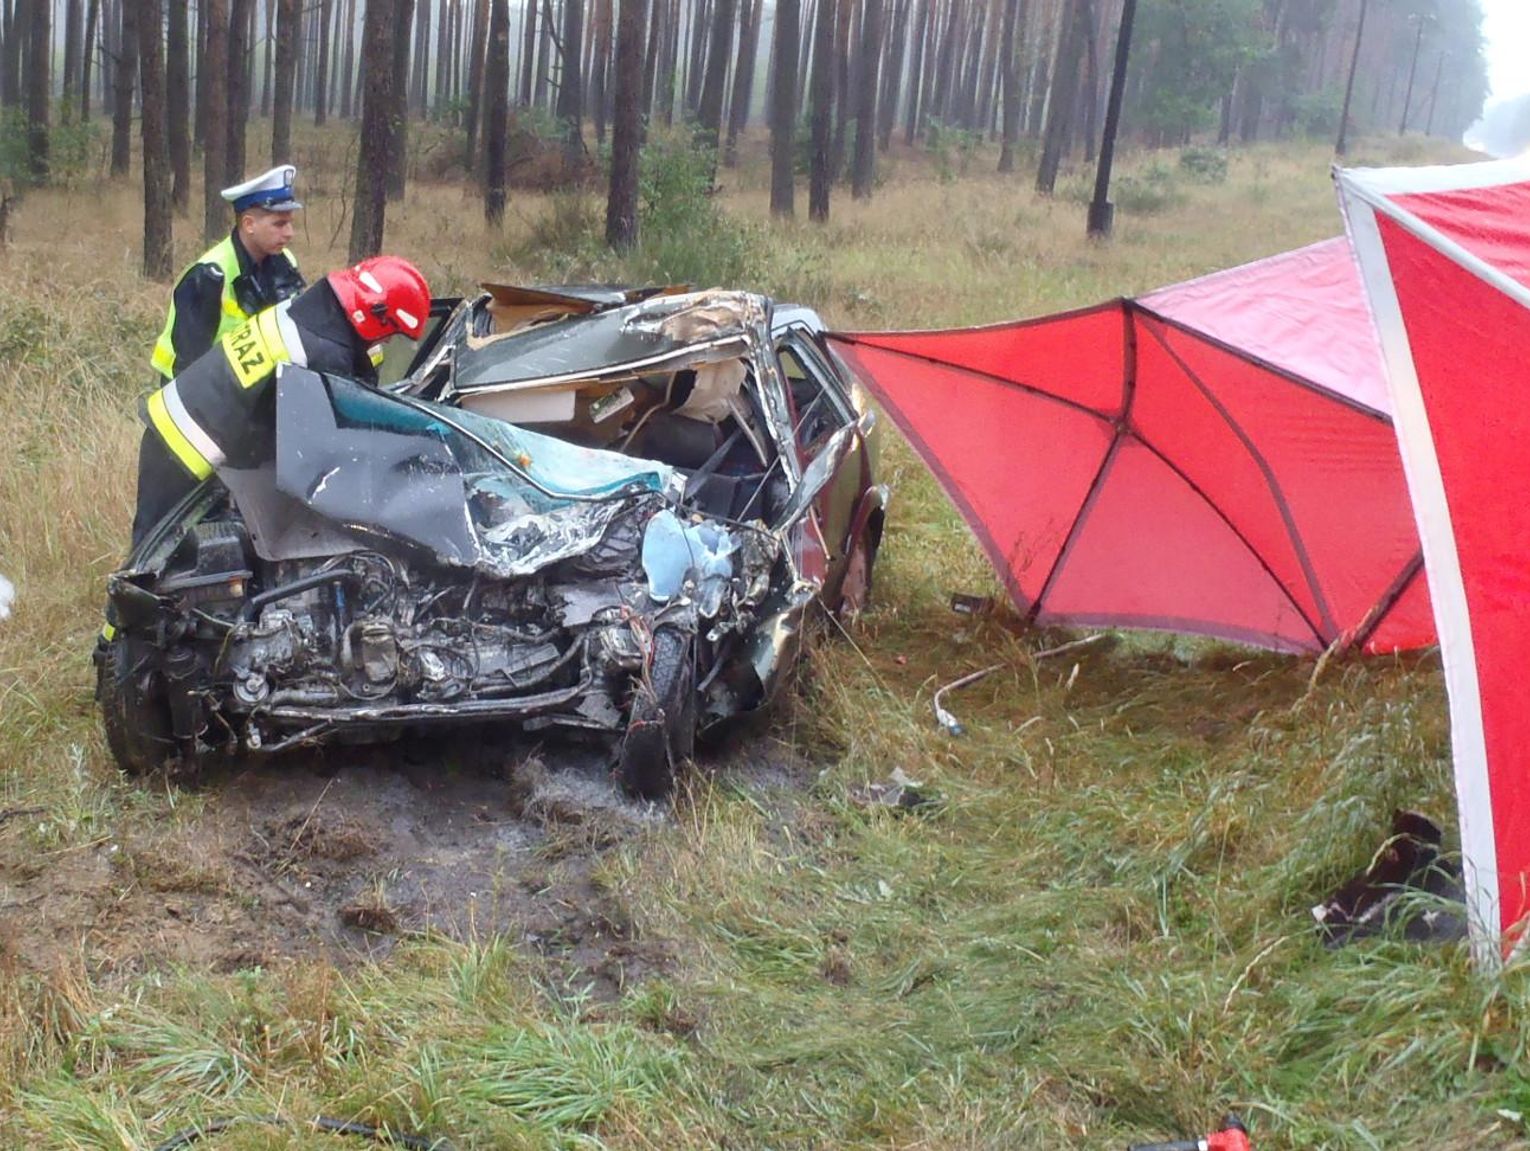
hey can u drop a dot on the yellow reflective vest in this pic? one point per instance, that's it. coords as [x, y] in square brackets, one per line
[225, 258]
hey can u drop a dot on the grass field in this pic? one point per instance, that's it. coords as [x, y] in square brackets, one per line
[1099, 934]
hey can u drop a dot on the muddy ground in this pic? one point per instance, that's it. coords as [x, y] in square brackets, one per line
[343, 854]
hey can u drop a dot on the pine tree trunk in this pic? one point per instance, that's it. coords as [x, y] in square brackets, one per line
[892, 75]
[844, 86]
[601, 57]
[286, 78]
[544, 55]
[476, 79]
[198, 68]
[268, 57]
[39, 73]
[378, 107]
[443, 31]
[496, 84]
[74, 20]
[821, 94]
[1010, 73]
[528, 52]
[940, 98]
[1063, 98]
[158, 245]
[743, 76]
[177, 114]
[627, 128]
[653, 58]
[15, 40]
[713, 88]
[419, 84]
[783, 110]
[864, 175]
[111, 51]
[570, 85]
[321, 77]
[213, 15]
[670, 66]
[348, 62]
[239, 54]
[916, 71]
[92, 22]
[398, 148]
[701, 25]
[125, 79]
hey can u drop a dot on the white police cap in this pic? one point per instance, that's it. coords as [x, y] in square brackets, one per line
[271, 190]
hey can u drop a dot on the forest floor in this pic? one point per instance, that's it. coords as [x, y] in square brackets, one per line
[1097, 933]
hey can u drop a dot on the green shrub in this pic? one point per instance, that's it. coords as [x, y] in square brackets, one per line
[1317, 113]
[1204, 165]
[684, 237]
[1148, 191]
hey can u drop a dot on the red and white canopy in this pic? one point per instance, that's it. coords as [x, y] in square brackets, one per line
[1216, 457]
[1444, 254]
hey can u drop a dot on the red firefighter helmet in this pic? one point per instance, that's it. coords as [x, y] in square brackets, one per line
[381, 296]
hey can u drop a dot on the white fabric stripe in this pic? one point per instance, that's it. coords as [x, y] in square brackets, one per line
[1447, 591]
[1438, 178]
[193, 431]
[1436, 239]
[291, 336]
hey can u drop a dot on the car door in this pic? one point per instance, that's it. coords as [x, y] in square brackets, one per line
[820, 406]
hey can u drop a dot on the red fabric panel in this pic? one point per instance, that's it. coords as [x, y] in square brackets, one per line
[1336, 470]
[1410, 622]
[1302, 311]
[1017, 465]
[1490, 223]
[1151, 553]
[1468, 341]
[1079, 356]
[1177, 419]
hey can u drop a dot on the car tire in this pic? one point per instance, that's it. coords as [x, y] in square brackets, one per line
[661, 730]
[134, 712]
[855, 585]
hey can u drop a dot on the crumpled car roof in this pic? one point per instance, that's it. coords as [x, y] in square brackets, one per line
[665, 331]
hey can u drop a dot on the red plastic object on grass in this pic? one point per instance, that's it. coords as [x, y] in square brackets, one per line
[1232, 1137]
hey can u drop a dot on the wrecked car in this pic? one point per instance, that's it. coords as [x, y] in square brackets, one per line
[596, 511]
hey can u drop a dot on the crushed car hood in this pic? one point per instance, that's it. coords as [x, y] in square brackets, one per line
[472, 491]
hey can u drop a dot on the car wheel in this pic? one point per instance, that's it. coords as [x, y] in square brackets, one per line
[661, 731]
[134, 712]
[855, 584]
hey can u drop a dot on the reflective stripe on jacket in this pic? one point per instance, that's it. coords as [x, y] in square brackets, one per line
[231, 314]
[207, 411]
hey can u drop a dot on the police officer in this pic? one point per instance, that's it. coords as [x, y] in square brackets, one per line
[248, 271]
[221, 407]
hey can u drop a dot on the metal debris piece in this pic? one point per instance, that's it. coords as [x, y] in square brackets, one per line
[945, 718]
[899, 793]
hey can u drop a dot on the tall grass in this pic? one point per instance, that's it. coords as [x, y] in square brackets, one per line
[1098, 933]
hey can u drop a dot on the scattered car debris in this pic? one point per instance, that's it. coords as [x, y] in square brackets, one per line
[943, 717]
[1408, 862]
[899, 793]
[965, 604]
[591, 511]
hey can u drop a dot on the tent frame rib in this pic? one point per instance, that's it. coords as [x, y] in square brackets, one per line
[1329, 628]
[1377, 616]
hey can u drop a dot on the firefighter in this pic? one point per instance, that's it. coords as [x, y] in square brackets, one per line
[251, 269]
[220, 408]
